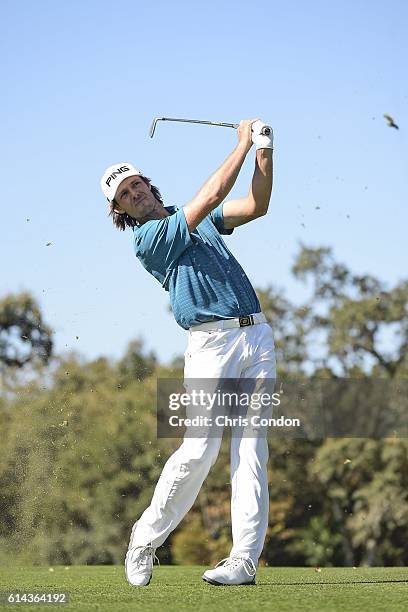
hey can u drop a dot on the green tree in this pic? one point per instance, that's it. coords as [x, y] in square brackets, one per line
[365, 486]
[79, 466]
[24, 336]
[135, 365]
[354, 313]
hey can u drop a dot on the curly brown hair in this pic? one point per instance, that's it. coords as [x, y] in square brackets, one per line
[123, 220]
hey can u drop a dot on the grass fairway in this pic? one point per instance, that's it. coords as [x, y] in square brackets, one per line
[181, 588]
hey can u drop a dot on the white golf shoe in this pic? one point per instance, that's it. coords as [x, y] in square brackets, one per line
[139, 564]
[232, 571]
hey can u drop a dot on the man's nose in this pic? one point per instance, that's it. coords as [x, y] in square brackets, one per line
[135, 193]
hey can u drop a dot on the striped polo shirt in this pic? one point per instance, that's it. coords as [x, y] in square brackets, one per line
[204, 280]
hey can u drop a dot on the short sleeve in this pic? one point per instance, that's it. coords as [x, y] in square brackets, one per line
[159, 243]
[217, 217]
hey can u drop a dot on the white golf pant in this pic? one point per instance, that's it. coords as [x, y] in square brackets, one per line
[239, 353]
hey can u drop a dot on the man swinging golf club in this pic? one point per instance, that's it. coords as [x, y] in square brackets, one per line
[229, 338]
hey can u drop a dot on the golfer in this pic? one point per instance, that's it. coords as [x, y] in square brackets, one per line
[228, 337]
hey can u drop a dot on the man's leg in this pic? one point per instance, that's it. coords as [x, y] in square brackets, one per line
[176, 490]
[249, 458]
[186, 470]
[249, 496]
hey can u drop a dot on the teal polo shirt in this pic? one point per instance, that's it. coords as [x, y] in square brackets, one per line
[204, 280]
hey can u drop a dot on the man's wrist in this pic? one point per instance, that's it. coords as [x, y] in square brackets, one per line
[243, 147]
[264, 156]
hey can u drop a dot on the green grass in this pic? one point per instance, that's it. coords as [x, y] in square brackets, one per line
[181, 588]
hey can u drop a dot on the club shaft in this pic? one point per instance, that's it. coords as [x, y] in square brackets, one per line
[219, 123]
[266, 129]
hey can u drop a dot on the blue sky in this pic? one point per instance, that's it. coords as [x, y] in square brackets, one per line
[82, 82]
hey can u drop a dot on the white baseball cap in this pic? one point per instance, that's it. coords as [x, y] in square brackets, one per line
[114, 175]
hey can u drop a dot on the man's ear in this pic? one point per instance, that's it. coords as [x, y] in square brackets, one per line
[116, 208]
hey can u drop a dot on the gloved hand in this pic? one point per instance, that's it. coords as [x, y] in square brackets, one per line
[261, 141]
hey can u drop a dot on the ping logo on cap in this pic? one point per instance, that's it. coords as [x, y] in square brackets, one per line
[116, 173]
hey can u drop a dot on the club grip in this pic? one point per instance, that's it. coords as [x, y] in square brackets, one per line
[266, 130]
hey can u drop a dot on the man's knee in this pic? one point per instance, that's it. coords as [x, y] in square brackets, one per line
[201, 450]
[251, 451]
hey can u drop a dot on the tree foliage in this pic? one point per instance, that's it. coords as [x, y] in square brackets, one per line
[24, 336]
[79, 457]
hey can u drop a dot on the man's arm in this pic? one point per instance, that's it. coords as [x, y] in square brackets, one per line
[244, 210]
[218, 186]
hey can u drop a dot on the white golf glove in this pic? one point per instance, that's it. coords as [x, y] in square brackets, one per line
[261, 141]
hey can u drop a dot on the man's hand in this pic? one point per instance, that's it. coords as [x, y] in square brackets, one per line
[245, 133]
[261, 141]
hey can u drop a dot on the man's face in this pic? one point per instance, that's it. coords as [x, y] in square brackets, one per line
[135, 198]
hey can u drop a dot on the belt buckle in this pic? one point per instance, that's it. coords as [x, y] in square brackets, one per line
[245, 321]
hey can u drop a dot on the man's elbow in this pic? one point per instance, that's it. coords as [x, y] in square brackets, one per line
[258, 204]
[261, 209]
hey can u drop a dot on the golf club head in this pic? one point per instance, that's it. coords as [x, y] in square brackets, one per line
[153, 126]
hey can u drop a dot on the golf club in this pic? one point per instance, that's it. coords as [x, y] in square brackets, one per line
[265, 130]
